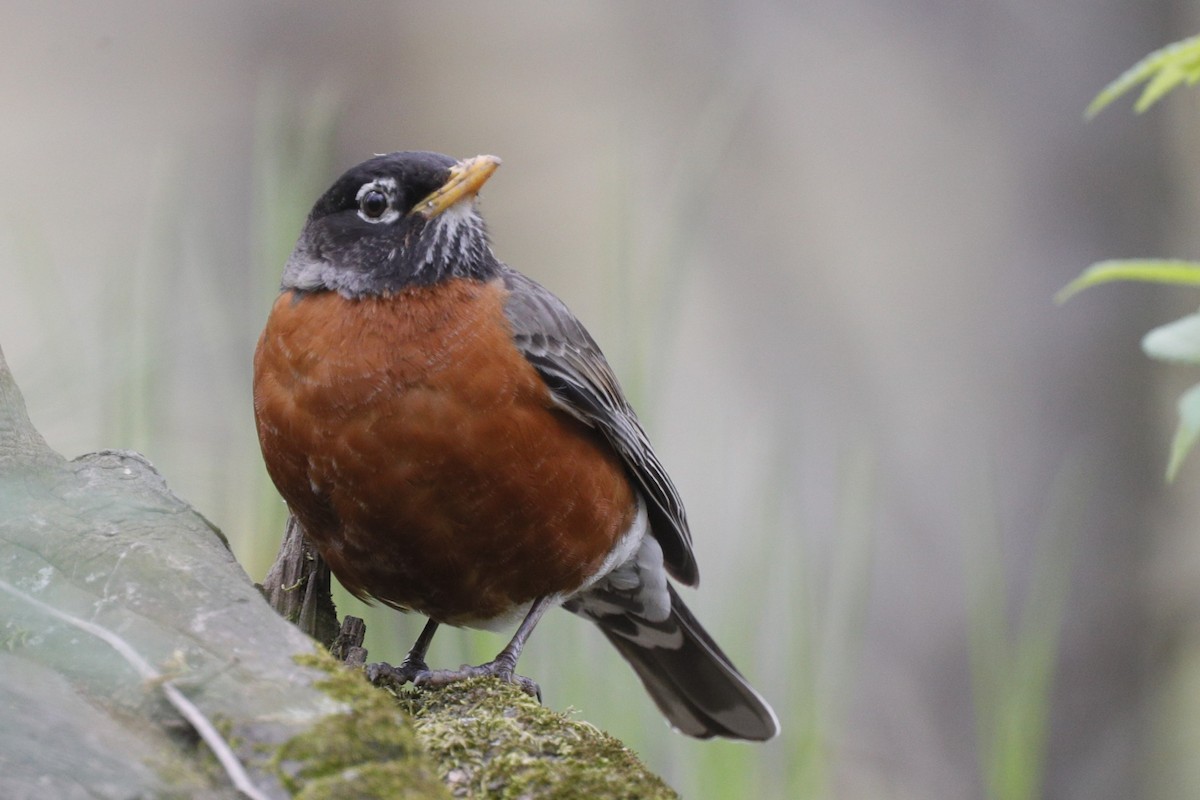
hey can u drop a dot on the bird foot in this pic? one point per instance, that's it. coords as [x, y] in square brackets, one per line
[495, 669]
[409, 670]
[417, 673]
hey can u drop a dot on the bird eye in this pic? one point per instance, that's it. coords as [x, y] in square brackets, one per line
[373, 204]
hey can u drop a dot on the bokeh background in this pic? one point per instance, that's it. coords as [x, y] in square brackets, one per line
[819, 243]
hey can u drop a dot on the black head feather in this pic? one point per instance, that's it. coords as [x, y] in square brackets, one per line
[367, 236]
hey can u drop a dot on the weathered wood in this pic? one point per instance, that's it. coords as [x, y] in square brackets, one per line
[348, 646]
[297, 586]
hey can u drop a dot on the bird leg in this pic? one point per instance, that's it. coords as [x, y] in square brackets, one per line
[413, 665]
[503, 666]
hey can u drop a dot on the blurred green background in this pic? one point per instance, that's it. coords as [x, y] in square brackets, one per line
[818, 241]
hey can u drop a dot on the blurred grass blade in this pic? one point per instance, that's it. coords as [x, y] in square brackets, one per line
[1175, 341]
[294, 138]
[1021, 766]
[987, 628]
[1012, 667]
[835, 598]
[1162, 71]
[1144, 270]
[648, 277]
[1187, 432]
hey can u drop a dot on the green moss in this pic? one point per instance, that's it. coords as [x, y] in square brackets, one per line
[491, 740]
[16, 638]
[477, 739]
[370, 751]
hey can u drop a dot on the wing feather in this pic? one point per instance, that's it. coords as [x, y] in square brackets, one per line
[584, 386]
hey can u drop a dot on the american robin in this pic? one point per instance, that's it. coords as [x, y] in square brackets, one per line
[453, 442]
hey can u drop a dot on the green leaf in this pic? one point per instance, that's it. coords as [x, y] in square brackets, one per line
[1158, 87]
[1188, 430]
[1165, 69]
[1146, 270]
[1175, 341]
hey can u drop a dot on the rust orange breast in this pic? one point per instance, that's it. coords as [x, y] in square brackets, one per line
[422, 454]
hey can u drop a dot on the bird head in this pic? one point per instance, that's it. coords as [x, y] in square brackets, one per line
[396, 220]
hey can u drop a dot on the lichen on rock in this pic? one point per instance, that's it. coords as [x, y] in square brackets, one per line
[490, 739]
[484, 739]
[369, 751]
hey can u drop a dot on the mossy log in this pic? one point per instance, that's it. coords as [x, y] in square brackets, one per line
[137, 659]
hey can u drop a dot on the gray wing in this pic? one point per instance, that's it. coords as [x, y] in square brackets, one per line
[583, 385]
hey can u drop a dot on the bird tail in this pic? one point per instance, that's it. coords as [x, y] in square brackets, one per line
[692, 682]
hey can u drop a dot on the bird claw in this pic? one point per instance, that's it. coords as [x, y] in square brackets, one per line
[408, 671]
[492, 669]
[417, 673]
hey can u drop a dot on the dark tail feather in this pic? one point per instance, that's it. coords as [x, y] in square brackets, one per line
[692, 682]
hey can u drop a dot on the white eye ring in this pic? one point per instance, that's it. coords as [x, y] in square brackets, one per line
[368, 200]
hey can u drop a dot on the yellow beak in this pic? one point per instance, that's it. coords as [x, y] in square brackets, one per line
[466, 179]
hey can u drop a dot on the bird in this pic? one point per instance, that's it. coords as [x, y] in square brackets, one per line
[453, 442]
